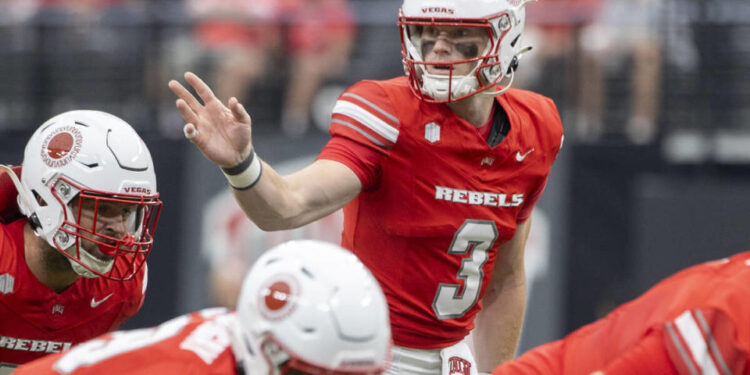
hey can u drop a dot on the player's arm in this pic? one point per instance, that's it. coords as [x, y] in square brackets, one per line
[648, 357]
[498, 324]
[8, 207]
[278, 202]
[223, 134]
[542, 360]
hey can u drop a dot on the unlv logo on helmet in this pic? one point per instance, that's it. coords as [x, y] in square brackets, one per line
[277, 297]
[61, 146]
[459, 366]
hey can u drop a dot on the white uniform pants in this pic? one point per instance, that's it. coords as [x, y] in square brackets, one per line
[453, 360]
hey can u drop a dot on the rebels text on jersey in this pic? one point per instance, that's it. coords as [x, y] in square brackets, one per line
[436, 200]
[197, 343]
[36, 321]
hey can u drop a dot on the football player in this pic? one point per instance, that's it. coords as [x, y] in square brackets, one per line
[77, 226]
[305, 307]
[694, 322]
[438, 173]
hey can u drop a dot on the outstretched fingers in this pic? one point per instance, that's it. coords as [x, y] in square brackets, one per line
[187, 113]
[238, 111]
[183, 93]
[201, 88]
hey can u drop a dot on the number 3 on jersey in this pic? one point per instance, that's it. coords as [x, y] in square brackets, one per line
[474, 237]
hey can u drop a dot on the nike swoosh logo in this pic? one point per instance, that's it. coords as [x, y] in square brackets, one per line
[520, 157]
[95, 303]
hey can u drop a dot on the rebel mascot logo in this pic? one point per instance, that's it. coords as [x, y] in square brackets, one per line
[61, 146]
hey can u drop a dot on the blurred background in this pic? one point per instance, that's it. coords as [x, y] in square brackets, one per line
[654, 96]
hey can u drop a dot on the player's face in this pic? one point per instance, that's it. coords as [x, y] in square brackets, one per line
[113, 219]
[449, 43]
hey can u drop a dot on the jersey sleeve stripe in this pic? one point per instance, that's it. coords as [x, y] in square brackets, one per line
[712, 342]
[360, 131]
[373, 106]
[367, 119]
[691, 333]
[681, 349]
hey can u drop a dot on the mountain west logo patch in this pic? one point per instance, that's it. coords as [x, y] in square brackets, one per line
[6, 283]
[432, 132]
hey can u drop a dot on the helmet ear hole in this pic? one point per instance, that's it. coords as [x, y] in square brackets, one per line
[513, 43]
[39, 199]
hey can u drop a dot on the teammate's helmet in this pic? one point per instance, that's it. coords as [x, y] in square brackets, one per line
[75, 166]
[312, 306]
[502, 20]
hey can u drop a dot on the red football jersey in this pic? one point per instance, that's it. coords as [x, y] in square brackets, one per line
[35, 321]
[198, 343]
[437, 200]
[694, 322]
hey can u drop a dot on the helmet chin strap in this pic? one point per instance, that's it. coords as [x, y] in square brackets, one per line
[101, 266]
[23, 195]
[505, 88]
[512, 71]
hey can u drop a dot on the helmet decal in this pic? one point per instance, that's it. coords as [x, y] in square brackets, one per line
[61, 146]
[277, 297]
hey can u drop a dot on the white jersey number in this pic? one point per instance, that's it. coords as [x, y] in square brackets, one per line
[97, 350]
[474, 237]
[94, 351]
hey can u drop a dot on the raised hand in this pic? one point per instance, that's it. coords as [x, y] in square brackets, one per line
[222, 133]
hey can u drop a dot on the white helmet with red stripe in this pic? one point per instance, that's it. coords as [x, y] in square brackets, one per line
[502, 21]
[312, 306]
[78, 165]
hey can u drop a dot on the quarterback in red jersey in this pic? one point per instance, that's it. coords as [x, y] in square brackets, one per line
[437, 172]
[85, 205]
[306, 307]
[694, 322]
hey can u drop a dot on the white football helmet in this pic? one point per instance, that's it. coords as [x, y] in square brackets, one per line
[94, 160]
[503, 21]
[312, 306]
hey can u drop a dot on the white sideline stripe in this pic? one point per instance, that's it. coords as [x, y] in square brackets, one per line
[696, 344]
[360, 131]
[367, 119]
[363, 100]
[681, 349]
[712, 342]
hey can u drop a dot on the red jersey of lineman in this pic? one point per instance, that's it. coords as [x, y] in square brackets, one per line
[198, 343]
[436, 200]
[694, 322]
[35, 321]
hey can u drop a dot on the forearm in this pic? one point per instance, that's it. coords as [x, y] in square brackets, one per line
[498, 325]
[542, 360]
[278, 202]
[649, 357]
